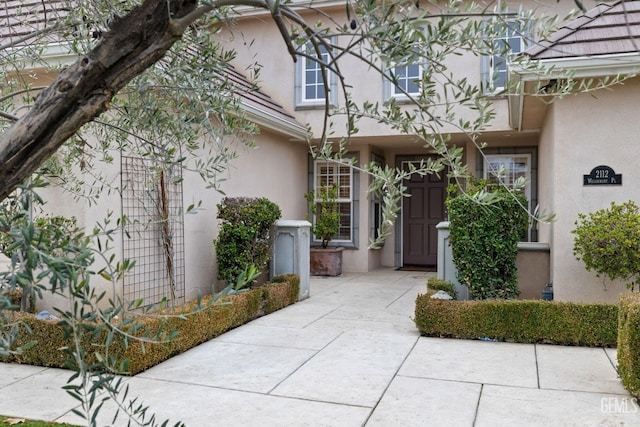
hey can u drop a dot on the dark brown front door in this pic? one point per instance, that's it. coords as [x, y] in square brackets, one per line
[420, 214]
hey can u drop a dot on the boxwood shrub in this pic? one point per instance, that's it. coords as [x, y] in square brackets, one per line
[629, 342]
[190, 327]
[552, 322]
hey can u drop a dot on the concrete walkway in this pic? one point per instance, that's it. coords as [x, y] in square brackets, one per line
[351, 356]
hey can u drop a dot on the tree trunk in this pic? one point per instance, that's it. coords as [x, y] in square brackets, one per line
[84, 90]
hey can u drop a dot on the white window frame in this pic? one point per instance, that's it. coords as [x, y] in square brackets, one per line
[492, 163]
[495, 68]
[403, 78]
[400, 72]
[301, 84]
[343, 175]
[510, 175]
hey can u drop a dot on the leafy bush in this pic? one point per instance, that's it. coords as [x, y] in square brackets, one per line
[608, 242]
[629, 342]
[435, 284]
[24, 241]
[484, 241]
[244, 238]
[533, 321]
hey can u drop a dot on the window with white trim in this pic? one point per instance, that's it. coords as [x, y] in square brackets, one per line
[511, 39]
[407, 78]
[508, 168]
[330, 173]
[310, 88]
[406, 75]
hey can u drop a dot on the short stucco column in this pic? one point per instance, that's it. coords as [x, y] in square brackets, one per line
[446, 267]
[290, 255]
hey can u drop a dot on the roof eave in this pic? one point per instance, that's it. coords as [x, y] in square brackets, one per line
[575, 67]
[270, 121]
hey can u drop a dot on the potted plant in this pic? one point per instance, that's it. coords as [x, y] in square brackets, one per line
[323, 204]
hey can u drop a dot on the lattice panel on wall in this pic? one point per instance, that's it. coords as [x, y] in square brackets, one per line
[153, 234]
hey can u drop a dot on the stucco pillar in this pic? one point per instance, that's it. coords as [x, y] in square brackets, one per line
[291, 240]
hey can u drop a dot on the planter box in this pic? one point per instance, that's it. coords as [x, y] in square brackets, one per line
[326, 261]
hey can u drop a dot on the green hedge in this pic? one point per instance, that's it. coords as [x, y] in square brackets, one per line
[629, 342]
[192, 328]
[553, 322]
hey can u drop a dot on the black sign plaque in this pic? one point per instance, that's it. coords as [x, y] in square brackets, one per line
[602, 175]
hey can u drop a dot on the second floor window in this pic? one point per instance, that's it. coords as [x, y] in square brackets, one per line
[310, 87]
[509, 42]
[407, 74]
[407, 77]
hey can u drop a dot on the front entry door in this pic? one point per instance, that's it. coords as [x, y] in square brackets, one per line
[420, 214]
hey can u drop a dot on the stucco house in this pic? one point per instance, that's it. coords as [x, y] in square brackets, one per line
[553, 145]
[254, 173]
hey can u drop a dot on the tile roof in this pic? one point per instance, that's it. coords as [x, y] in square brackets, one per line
[19, 18]
[609, 28]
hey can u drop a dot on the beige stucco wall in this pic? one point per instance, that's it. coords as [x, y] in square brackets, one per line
[275, 169]
[257, 40]
[584, 132]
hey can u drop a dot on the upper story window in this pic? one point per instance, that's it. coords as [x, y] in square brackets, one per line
[407, 77]
[407, 74]
[310, 88]
[509, 42]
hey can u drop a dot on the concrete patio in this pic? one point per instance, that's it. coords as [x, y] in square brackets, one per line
[351, 356]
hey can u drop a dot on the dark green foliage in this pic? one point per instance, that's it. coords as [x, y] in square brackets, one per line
[608, 242]
[594, 325]
[244, 235]
[434, 284]
[629, 342]
[187, 327]
[484, 241]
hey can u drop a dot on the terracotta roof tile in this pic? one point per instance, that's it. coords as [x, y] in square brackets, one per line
[606, 29]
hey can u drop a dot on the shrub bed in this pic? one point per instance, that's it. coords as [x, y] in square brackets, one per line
[191, 328]
[552, 322]
[629, 342]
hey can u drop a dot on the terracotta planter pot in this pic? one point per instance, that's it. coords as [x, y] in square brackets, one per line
[326, 261]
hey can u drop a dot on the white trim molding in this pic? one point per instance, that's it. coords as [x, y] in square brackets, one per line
[263, 118]
[558, 68]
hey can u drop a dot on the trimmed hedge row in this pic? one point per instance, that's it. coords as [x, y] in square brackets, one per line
[192, 328]
[629, 342]
[593, 325]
